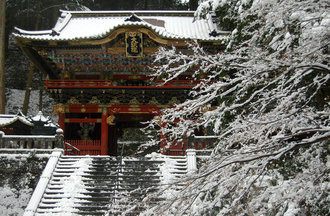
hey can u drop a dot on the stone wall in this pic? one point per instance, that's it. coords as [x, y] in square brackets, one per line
[19, 174]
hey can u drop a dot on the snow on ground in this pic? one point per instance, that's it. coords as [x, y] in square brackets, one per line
[13, 203]
[18, 175]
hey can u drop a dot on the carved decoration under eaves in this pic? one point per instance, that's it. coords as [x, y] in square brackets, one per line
[43, 52]
[134, 101]
[114, 101]
[73, 100]
[173, 101]
[153, 101]
[59, 108]
[118, 42]
[94, 100]
[102, 62]
[147, 42]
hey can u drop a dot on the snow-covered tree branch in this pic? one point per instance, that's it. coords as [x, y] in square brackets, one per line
[266, 97]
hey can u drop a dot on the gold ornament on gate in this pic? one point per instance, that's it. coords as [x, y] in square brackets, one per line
[111, 120]
[59, 108]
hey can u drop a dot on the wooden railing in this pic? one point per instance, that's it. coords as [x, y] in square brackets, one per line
[70, 149]
[114, 84]
[202, 144]
[177, 149]
[83, 147]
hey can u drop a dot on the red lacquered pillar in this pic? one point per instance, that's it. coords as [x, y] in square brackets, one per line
[104, 133]
[61, 121]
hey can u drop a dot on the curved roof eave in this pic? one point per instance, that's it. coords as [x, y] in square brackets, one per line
[5, 122]
[55, 33]
[39, 36]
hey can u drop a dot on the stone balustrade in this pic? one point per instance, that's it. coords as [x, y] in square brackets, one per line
[32, 141]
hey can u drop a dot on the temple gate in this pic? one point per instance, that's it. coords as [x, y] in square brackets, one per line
[98, 67]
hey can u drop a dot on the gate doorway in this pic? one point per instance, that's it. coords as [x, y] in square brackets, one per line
[126, 131]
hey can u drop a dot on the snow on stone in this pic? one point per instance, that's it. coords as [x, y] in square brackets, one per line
[40, 117]
[9, 119]
[73, 186]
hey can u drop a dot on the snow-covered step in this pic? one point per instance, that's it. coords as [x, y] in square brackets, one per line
[174, 169]
[177, 165]
[88, 185]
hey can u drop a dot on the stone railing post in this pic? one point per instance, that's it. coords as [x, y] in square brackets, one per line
[190, 142]
[59, 139]
[21, 144]
[29, 144]
[191, 160]
[2, 141]
[42, 184]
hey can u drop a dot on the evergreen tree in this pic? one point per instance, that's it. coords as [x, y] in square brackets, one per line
[266, 97]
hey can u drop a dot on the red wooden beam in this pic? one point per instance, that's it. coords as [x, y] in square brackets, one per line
[174, 84]
[135, 109]
[78, 108]
[82, 120]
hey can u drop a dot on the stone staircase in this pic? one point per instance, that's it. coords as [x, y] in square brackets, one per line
[177, 166]
[100, 185]
[173, 170]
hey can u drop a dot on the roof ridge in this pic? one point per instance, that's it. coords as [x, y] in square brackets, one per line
[109, 12]
[62, 21]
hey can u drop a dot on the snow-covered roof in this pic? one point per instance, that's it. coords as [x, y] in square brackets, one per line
[74, 25]
[10, 119]
[47, 122]
[40, 117]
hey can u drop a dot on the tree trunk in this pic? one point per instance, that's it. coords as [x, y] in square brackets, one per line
[2, 54]
[41, 88]
[30, 75]
[28, 90]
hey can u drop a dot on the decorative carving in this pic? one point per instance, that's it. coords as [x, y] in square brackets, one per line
[111, 120]
[173, 101]
[153, 101]
[94, 100]
[148, 43]
[43, 52]
[103, 63]
[86, 129]
[134, 101]
[104, 111]
[73, 100]
[134, 109]
[134, 77]
[114, 101]
[59, 108]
